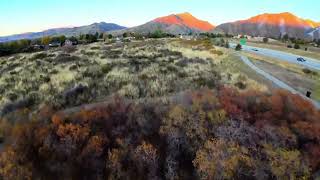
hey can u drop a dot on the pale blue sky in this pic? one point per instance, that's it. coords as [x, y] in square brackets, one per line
[17, 16]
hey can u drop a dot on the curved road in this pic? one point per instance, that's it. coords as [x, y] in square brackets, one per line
[276, 81]
[292, 58]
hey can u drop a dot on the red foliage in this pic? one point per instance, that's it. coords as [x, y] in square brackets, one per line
[231, 104]
[128, 140]
[313, 155]
[45, 112]
[308, 130]
[57, 119]
[74, 131]
[280, 107]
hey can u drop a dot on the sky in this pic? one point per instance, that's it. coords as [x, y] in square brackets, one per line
[19, 16]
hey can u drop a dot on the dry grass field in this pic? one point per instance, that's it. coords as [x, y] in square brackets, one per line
[91, 73]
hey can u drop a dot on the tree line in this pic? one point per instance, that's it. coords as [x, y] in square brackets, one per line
[33, 45]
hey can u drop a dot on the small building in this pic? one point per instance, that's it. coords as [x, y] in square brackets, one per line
[68, 43]
[54, 44]
[241, 36]
[118, 40]
[38, 46]
[128, 39]
[189, 37]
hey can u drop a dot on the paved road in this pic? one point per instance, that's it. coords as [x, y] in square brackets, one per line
[276, 81]
[292, 58]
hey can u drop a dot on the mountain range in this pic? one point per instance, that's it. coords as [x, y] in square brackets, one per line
[271, 25]
[74, 31]
[266, 25]
[187, 20]
[183, 23]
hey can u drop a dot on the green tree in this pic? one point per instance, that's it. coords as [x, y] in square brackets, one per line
[73, 39]
[296, 46]
[222, 41]
[101, 36]
[23, 43]
[265, 40]
[286, 37]
[158, 34]
[12, 47]
[238, 47]
[125, 35]
[62, 39]
[82, 37]
[292, 39]
[227, 45]
[46, 40]
[90, 38]
[138, 36]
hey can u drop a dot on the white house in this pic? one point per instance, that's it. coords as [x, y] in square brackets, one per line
[68, 43]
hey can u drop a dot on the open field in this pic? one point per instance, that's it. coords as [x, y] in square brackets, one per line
[136, 70]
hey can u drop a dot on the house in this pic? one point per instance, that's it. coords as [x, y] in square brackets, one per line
[241, 36]
[55, 44]
[118, 40]
[128, 39]
[68, 43]
[38, 46]
[189, 37]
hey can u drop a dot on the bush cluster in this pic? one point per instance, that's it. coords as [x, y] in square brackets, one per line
[203, 134]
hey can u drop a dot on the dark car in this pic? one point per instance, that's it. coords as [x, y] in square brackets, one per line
[300, 59]
[255, 49]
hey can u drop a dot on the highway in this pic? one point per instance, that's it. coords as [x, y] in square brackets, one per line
[284, 56]
[276, 81]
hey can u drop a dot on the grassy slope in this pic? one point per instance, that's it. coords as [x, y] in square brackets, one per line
[230, 67]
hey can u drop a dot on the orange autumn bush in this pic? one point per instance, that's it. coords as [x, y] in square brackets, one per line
[205, 134]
